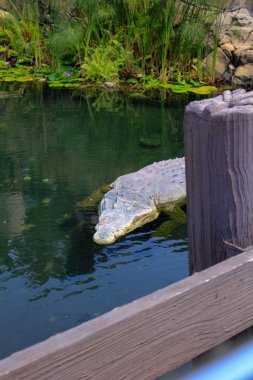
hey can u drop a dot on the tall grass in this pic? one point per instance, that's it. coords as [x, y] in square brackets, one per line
[166, 39]
[23, 32]
[66, 43]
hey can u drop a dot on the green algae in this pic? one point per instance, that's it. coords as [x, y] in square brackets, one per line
[177, 217]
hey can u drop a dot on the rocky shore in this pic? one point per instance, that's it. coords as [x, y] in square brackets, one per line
[234, 59]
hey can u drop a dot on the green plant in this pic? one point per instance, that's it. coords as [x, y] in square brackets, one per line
[95, 17]
[105, 62]
[163, 34]
[66, 40]
[165, 40]
[23, 32]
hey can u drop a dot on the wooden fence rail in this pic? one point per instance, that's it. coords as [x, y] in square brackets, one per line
[150, 336]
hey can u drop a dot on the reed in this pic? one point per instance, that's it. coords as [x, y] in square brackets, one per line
[23, 32]
[164, 39]
[66, 44]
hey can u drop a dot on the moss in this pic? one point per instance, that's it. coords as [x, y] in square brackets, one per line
[93, 199]
[177, 217]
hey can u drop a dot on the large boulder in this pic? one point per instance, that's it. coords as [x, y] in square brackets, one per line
[243, 55]
[237, 27]
[220, 64]
[234, 62]
[243, 74]
[4, 4]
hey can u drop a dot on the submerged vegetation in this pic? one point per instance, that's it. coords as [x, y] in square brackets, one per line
[145, 43]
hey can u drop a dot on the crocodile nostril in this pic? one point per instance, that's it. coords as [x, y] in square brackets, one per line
[104, 237]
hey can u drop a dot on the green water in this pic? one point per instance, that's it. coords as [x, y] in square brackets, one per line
[55, 149]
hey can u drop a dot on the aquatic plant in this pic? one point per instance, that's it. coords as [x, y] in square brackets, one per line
[142, 41]
[24, 34]
[105, 62]
[191, 42]
[66, 43]
[95, 16]
[164, 37]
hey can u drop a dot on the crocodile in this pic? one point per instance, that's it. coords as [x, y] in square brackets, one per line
[138, 198]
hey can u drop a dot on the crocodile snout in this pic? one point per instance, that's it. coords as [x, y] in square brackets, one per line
[104, 236]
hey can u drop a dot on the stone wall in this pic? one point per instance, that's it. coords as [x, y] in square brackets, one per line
[234, 60]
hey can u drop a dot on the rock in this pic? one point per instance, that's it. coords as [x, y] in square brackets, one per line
[224, 39]
[228, 49]
[239, 36]
[236, 4]
[150, 142]
[240, 29]
[109, 85]
[231, 68]
[227, 77]
[221, 64]
[4, 4]
[244, 55]
[236, 27]
[244, 73]
[4, 14]
[243, 18]
[236, 43]
[237, 82]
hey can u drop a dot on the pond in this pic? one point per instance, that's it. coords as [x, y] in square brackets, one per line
[55, 149]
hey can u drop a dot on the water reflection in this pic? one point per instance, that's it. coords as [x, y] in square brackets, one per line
[55, 149]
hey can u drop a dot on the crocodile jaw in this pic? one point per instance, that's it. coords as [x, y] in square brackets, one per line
[104, 236]
[115, 224]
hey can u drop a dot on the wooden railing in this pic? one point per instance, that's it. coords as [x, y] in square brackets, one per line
[150, 336]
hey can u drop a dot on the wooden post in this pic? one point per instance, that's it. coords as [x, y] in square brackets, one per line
[219, 177]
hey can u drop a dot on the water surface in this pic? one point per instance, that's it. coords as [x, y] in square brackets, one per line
[55, 149]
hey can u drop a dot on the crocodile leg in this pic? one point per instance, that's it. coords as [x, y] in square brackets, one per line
[177, 218]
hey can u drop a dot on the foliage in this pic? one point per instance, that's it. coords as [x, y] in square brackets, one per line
[105, 62]
[66, 77]
[65, 42]
[111, 40]
[23, 33]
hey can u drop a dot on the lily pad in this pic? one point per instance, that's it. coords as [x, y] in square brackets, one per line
[59, 84]
[205, 90]
[8, 79]
[194, 87]
[53, 76]
[24, 79]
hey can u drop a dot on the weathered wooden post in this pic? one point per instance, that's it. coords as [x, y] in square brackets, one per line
[219, 177]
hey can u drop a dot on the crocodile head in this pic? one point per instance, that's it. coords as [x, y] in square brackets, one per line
[122, 213]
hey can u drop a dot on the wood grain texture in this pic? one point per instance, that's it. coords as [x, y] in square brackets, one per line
[150, 336]
[219, 177]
